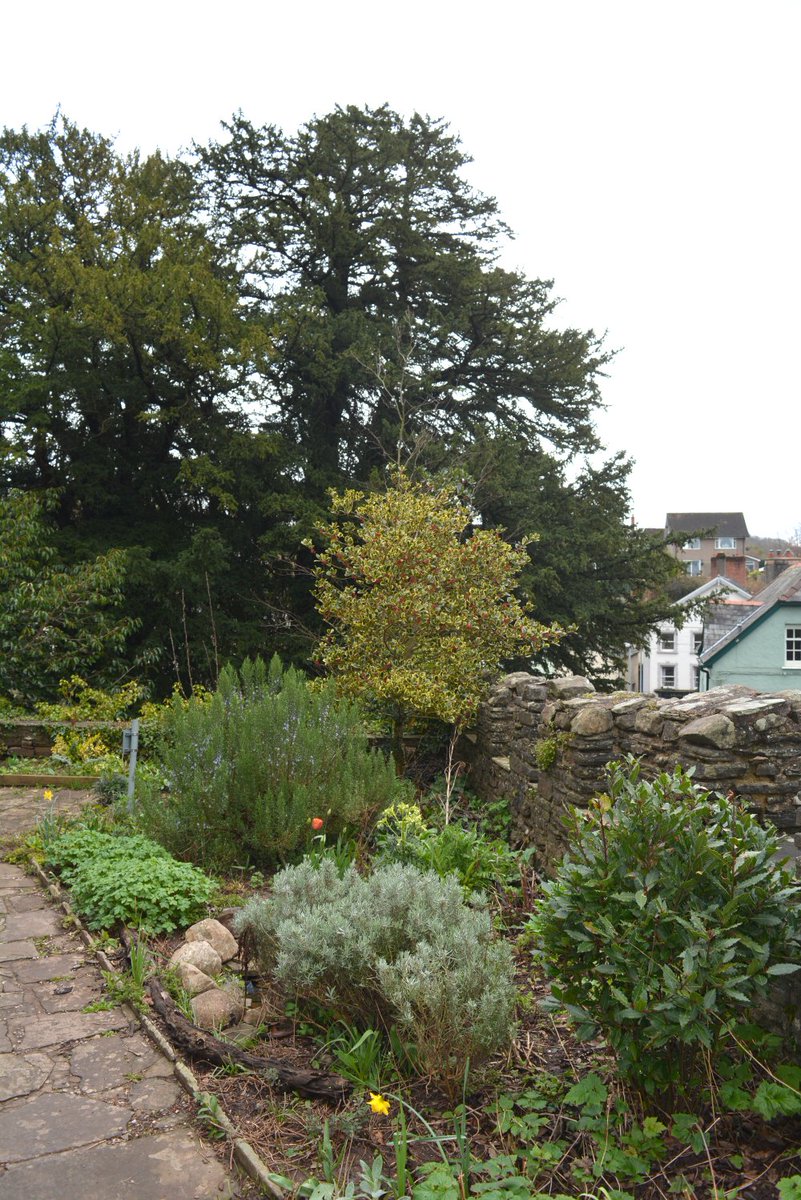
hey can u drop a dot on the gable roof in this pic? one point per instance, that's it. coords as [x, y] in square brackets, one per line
[731, 524]
[785, 589]
[719, 583]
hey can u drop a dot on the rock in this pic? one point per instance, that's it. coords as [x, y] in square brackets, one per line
[218, 1007]
[194, 981]
[200, 954]
[572, 685]
[716, 730]
[591, 721]
[215, 933]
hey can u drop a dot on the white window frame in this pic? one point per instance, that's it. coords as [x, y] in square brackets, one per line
[698, 640]
[666, 641]
[664, 670]
[694, 566]
[792, 647]
[693, 544]
[725, 543]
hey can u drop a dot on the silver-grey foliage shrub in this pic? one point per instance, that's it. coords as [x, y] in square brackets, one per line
[249, 769]
[397, 948]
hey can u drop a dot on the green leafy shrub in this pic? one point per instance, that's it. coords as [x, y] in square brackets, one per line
[665, 921]
[249, 769]
[128, 879]
[398, 948]
[480, 864]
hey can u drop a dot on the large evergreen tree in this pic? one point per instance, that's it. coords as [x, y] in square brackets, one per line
[193, 352]
[373, 265]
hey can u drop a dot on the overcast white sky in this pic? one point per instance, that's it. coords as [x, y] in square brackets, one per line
[645, 152]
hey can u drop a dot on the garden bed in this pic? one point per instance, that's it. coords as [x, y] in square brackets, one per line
[43, 780]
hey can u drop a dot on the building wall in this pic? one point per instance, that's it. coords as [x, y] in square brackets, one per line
[757, 660]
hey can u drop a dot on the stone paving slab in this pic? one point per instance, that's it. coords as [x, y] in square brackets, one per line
[48, 968]
[51, 1029]
[33, 924]
[46, 1123]
[89, 1108]
[12, 950]
[21, 1074]
[169, 1166]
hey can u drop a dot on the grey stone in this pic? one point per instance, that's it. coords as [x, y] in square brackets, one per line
[51, 1030]
[592, 721]
[153, 1095]
[47, 968]
[217, 1008]
[716, 730]
[194, 981]
[47, 1123]
[10, 951]
[168, 1165]
[215, 933]
[101, 1063]
[21, 1074]
[200, 955]
[570, 686]
[34, 924]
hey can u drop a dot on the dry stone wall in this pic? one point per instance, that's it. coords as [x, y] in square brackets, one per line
[543, 745]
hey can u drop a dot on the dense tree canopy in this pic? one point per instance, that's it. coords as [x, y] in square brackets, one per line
[192, 352]
[55, 618]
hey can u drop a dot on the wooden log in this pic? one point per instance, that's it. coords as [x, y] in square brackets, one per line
[202, 1046]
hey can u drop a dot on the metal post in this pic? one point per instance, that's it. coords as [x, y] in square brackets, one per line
[131, 744]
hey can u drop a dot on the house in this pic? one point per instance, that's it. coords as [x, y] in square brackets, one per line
[758, 644]
[715, 544]
[670, 664]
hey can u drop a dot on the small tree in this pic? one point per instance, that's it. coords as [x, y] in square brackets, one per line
[421, 610]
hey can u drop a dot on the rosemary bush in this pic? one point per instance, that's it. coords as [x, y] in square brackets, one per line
[398, 948]
[250, 768]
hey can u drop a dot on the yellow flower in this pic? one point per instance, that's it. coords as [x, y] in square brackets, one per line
[379, 1104]
[48, 794]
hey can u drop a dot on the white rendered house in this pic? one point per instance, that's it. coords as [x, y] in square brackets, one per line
[670, 661]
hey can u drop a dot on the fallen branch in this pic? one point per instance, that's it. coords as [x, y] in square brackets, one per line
[202, 1046]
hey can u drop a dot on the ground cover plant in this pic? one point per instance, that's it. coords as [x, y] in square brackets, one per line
[127, 879]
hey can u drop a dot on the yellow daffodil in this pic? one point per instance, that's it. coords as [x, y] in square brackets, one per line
[379, 1104]
[48, 794]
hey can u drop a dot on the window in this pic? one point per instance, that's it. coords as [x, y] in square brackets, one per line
[694, 566]
[692, 544]
[792, 646]
[696, 679]
[667, 676]
[698, 640]
[667, 640]
[725, 543]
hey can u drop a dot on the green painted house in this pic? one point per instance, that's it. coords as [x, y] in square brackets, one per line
[759, 645]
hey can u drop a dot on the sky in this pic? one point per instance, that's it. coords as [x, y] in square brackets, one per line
[645, 153]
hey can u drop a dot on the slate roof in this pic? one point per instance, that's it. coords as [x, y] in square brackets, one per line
[730, 524]
[785, 589]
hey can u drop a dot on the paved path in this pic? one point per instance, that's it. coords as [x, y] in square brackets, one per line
[89, 1108]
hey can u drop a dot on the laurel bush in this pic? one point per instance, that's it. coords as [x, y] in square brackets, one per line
[665, 922]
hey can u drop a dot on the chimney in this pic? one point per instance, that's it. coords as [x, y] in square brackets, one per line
[732, 566]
